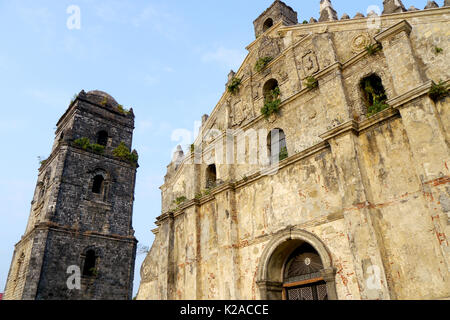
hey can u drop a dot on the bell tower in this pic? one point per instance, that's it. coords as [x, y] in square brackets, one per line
[278, 11]
[79, 243]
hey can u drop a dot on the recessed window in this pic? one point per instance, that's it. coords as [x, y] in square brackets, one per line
[373, 93]
[211, 176]
[102, 138]
[269, 89]
[97, 186]
[90, 261]
[276, 145]
[267, 24]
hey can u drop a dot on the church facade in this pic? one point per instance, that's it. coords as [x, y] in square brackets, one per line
[323, 171]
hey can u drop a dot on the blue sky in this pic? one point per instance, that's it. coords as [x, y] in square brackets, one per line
[167, 60]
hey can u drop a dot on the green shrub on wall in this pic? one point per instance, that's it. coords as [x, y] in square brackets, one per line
[262, 63]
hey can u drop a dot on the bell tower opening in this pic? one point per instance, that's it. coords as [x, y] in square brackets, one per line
[278, 11]
[268, 24]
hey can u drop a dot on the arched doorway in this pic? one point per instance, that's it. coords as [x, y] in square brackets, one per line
[302, 275]
[294, 264]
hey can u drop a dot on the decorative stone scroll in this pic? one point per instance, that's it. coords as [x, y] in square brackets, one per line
[360, 42]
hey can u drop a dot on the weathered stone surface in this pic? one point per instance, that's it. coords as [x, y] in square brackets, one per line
[356, 187]
[447, 3]
[431, 5]
[358, 15]
[68, 218]
[277, 12]
[345, 16]
[393, 6]
[327, 13]
[412, 8]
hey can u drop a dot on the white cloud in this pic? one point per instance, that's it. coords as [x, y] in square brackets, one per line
[150, 80]
[228, 58]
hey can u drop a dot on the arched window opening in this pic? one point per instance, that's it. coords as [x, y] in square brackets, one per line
[102, 138]
[211, 176]
[90, 264]
[374, 94]
[302, 275]
[97, 187]
[267, 24]
[276, 146]
[271, 90]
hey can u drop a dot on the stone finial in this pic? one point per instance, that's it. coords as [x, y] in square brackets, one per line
[178, 155]
[372, 14]
[358, 15]
[412, 8]
[312, 20]
[431, 5]
[327, 13]
[205, 118]
[345, 17]
[393, 6]
[231, 75]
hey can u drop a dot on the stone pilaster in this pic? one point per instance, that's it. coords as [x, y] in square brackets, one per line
[365, 244]
[400, 57]
[228, 263]
[431, 152]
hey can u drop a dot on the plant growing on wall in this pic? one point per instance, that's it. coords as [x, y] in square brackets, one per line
[122, 110]
[234, 85]
[377, 106]
[93, 272]
[42, 162]
[75, 96]
[85, 144]
[438, 50]
[311, 82]
[283, 154]
[122, 152]
[262, 63]
[272, 103]
[180, 200]
[373, 48]
[378, 98]
[438, 91]
[104, 101]
[198, 196]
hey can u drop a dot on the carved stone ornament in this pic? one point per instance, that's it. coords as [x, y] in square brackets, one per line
[241, 113]
[310, 65]
[360, 42]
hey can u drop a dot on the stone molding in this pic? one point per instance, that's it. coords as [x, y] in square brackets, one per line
[402, 26]
[399, 101]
